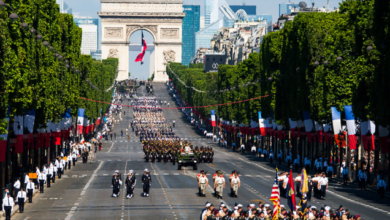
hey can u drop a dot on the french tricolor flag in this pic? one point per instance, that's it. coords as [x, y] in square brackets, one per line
[213, 118]
[56, 133]
[336, 121]
[351, 125]
[262, 125]
[319, 129]
[366, 126]
[80, 121]
[29, 119]
[3, 139]
[293, 127]
[18, 130]
[68, 122]
[308, 125]
[140, 57]
[383, 134]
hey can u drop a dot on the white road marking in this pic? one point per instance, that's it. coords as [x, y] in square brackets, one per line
[110, 148]
[105, 174]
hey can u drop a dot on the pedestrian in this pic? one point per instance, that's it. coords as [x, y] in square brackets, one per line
[280, 157]
[42, 179]
[111, 135]
[203, 183]
[8, 206]
[69, 159]
[124, 112]
[30, 190]
[271, 156]
[114, 135]
[122, 133]
[307, 164]
[49, 175]
[55, 170]
[234, 147]
[60, 167]
[259, 152]
[74, 157]
[21, 198]
[26, 180]
[91, 156]
[329, 171]
[381, 188]
[235, 184]
[289, 160]
[242, 148]
[363, 179]
[37, 172]
[17, 186]
[345, 175]
[147, 182]
[116, 185]
[296, 164]
[265, 154]
[323, 185]
[100, 146]
[253, 150]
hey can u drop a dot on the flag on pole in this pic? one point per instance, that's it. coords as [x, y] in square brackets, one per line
[336, 121]
[4, 138]
[366, 126]
[319, 129]
[262, 125]
[18, 130]
[351, 126]
[80, 121]
[213, 118]
[308, 125]
[140, 57]
[48, 133]
[293, 127]
[275, 197]
[290, 194]
[304, 189]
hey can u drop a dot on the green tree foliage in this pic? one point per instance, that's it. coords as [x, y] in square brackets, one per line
[31, 77]
[317, 61]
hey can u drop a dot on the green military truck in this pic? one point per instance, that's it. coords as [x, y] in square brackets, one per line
[187, 159]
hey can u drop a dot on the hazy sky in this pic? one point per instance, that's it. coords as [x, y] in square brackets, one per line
[266, 7]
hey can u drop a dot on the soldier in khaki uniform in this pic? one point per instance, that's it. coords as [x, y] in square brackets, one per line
[235, 184]
[203, 182]
[219, 185]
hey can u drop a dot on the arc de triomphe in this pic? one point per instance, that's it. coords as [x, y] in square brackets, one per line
[162, 18]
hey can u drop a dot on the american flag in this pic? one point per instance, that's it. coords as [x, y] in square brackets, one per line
[275, 197]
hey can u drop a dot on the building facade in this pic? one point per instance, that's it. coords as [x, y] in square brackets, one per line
[90, 35]
[285, 8]
[96, 54]
[191, 25]
[249, 9]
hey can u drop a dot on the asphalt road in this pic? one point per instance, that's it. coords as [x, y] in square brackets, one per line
[85, 192]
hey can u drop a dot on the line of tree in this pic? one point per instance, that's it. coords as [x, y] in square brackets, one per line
[317, 61]
[32, 77]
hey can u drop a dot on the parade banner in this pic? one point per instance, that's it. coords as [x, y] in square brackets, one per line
[383, 134]
[213, 118]
[308, 125]
[351, 125]
[28, 124]
[366, 126]
[4, 138]
[18, 130]
[80, 121]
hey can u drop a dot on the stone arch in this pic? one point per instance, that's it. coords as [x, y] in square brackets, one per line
[130, 29]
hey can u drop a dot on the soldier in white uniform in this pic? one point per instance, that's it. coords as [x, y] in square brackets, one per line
[41, 179]
[49, 175]
[30, 190]
[8, 206]
[219, 185]
[21, 198]
[203, 182]
[235, 184]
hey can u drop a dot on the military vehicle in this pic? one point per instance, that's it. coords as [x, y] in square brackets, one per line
[187, 158]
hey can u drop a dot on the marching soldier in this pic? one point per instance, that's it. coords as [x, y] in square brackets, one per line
[21, 198]
[219, 185]
[215, 175]
[271, 156]
[203, 182]
[363, 179]
[116, 185]
[8, 206]
[235, 184]
[130, 184]
[49, 175]
[30, 190]
[289, 160]
[147, 182]
[329, 171]
[198, 176]
[280, 157]
[41, 178]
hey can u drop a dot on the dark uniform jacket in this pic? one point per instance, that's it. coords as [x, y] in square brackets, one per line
[130, 181]
[146, 179]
